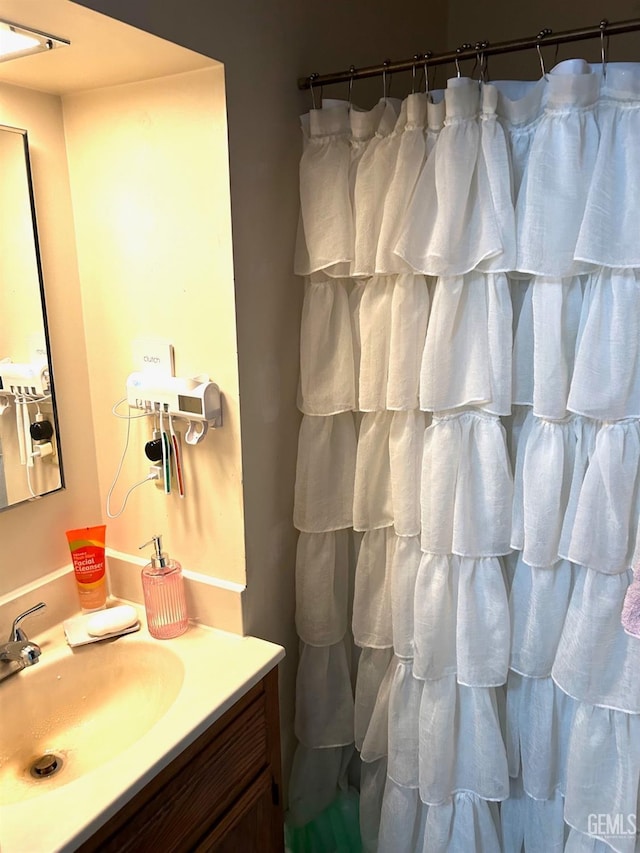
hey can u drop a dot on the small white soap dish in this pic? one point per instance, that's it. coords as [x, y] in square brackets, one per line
[102, 625]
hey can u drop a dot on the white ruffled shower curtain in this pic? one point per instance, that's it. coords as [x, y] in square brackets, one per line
[468, 485]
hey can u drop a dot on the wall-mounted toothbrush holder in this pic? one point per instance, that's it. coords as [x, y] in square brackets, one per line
[195, 400]
[24, 379]
[25, 384]
[165, 398]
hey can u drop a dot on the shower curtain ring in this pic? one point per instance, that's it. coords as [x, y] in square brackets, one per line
[481, 59]
[603, 50]
[385, 64]
[352, 71]
[542, 35]
[416, 58]
[427, 56]
[312, 79]
[463, 47]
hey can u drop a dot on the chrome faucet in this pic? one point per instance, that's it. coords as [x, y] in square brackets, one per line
[19, 651]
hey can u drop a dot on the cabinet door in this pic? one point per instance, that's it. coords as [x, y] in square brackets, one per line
[228, 780]
[200, 794]
[252, 825]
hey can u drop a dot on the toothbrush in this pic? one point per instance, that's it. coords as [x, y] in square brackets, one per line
[166, 462]
[28, 447]
[20, 430]
[166, 469]
[177, 458]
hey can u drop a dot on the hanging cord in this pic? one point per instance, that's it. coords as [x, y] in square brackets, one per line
[128, 417]
[34, 495]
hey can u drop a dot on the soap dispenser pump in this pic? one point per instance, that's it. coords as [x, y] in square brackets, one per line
[164, 598]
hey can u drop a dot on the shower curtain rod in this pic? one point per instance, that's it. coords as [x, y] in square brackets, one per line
[468, 51]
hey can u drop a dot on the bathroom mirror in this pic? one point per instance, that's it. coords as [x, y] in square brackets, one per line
[30, 462]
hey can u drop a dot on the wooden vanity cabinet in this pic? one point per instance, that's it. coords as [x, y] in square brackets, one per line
[221, 795]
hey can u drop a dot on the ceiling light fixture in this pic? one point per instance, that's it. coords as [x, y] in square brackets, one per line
[16, 41]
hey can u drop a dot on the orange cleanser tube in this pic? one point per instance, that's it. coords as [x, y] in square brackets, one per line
[87, 552]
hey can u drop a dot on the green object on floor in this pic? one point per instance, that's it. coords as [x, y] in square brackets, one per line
[335, 830]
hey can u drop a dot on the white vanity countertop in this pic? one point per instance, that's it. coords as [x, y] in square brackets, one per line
[219, 668]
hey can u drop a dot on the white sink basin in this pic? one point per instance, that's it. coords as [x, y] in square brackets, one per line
[82, 708]
[116, 712]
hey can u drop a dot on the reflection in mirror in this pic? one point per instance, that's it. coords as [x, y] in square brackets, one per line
[30, 464]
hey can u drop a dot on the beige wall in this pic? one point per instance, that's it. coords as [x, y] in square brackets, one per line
[150, 187]
[33, 534]
[154, 253]
[265, 47]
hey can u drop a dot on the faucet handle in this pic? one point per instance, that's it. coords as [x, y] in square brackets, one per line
[17, 634]
[30, 653]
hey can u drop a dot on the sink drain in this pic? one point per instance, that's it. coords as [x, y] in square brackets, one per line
[46, 765]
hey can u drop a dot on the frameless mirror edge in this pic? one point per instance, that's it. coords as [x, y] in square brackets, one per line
[43, 303]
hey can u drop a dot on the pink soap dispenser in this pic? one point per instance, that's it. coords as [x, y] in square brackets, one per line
[164, 599]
